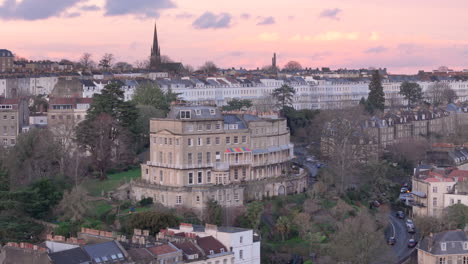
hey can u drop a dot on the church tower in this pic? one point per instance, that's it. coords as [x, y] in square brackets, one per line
[155, 59]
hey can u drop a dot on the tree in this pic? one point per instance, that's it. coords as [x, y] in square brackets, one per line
[149, 93]
[237, 104]
[86, 62]
[123, 66]
[358, 241]
[145, 113]
[293, 66]
[36, 155]
[166, 59]
[41, 197]
[456, 216]
[106, 61]
[376, 98]
[214, 213]
[283, 226]
[142, 64]
[284, 95]
[254, 214]
[152, 221]
[440, 93]
[302, 222]
[209, 68]
[111, 101]
[427, 225]
[108, 142]
[189, 68]
[411, 91]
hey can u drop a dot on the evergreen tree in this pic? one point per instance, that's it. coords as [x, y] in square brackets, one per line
[411, 91]
[376, 98]
[151, 94]
[284, 95]
[237, 104]
[111, 102]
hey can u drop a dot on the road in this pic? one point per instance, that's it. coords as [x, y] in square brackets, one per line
[398, 230]
[301, 156]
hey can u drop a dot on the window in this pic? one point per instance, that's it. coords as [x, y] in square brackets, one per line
[442, 260]
[465, 260]
[170, 141]
[217, 140]
[244, 172]
[465, 245]
[165, 141]
[198, 111]
[190, 177]
[200, 177]
[212, 112]
[434, 189]
[199, 141]
[185, 114]
[178, 199]
[199, 158]
[434, 201]
[459, 201]
[218, 126]
[228, 140]
[236, 174]
[222, 250]
[218, 156]
[208, 141]
[190, 128]
[177, 141]
[236, 196]
[208, 177]
[452, 201]
[240, 239]
[5, 117]
[236, 139]
[211, 252]
[208, 157]
[244, 139]
[53, 116]
[241, 254]
[12, 141]
[189, 142]
[208, 126]
[200, 127]
[170, 157]
[160, 157]
[189, 158]
[443, 246]
[198, 199]
[161, 175]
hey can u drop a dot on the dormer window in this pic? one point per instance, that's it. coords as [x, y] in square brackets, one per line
[443, 246]
[465, 245]
[211, 252]
[222, 250]
[212, 112]
[185, 114]
[198, 112]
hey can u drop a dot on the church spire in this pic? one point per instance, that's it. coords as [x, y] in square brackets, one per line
[155, 50]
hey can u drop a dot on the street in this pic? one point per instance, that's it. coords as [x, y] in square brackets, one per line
[399, 231]
[301, 156]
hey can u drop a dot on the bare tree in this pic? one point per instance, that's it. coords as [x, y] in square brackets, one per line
[106, 61]
[266, 103]
[123, 66]
[166, 59]
[86, 61]
[209, 68]
[292, 66]
[440, 93]
[359, 240]
[189, 68]
[142, 64]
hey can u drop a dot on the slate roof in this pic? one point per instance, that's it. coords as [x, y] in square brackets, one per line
[102, 252]
[71, 256]
[5, 53]
[139, 254]
[234, 119]
[88, 83]
[204, 112]
[210, 243]
[454, 243]
[188, 248]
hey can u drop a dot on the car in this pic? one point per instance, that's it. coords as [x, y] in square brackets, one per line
[412, 243]
[391, 241]
[400, 214]
[411, 229]
[375, 203]
[403, 190]
[409, 222]
[310, 159]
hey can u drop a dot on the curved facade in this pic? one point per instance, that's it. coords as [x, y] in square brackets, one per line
[198, 154]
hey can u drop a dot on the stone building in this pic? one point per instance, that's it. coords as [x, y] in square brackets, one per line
[197, 153]
[444, 247]
[14, 115]
[6, 60]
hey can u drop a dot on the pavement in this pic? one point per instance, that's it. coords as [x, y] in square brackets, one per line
[398, 230]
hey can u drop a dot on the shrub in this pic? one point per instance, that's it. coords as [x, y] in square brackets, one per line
[146, 201]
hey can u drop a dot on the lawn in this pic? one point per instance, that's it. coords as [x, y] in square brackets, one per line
[95, 187]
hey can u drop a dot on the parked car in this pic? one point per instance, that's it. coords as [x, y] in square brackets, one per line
[391, 241]
[375, 203]
[309, 159]
[411, 229]
[412, 243]
[409, 222]
[403, 190]
[400, 214]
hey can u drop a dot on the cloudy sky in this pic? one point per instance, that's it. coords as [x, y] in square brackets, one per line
[402, 35]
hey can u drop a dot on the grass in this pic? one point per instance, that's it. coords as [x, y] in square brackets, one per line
[100, 208]
[95, 187]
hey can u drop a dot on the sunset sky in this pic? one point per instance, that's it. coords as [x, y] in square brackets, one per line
[402, 35]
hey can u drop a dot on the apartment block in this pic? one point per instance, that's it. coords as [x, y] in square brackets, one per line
[14, 115]
[197, 153]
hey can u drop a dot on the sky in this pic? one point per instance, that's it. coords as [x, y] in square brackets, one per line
[402, 35]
